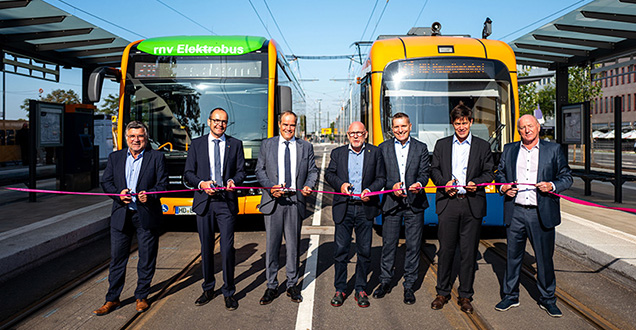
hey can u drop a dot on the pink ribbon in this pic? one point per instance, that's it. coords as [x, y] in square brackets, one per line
[373, 193]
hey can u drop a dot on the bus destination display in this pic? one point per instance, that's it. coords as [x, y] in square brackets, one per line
[228, 69]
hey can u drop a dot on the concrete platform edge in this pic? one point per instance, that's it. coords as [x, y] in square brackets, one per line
[21, 261]
[596, 256]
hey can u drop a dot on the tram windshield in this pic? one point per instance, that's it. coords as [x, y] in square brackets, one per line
[428, 89]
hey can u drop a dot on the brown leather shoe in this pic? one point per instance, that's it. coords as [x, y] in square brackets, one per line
[142, 305]
[108, 307]
[465, 305]
[439, 302]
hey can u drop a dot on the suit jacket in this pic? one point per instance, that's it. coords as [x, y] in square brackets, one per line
[152, 177]
[480, 170]
[373, 178]
[197, 169]
[553, 167]
[267, 172]
[418, 165]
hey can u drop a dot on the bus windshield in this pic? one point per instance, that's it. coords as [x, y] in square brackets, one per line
[177, 111]
[428, 89]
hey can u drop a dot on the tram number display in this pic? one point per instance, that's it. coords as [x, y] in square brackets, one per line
[459, 67]
[227, 69]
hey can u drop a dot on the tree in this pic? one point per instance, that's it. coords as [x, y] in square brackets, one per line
[580, 89]
[580, 85]
[546, 99]
[527, 96]
[56, 96]
[110, 106]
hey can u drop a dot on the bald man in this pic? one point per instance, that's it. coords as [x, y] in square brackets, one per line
[532, 212]
[357, 168]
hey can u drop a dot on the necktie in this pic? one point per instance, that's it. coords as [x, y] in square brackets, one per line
[288, 179]
[217, 163]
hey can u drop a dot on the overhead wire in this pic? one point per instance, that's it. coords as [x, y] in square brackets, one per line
[282, 36]
[369, 20]
[260, 19]
[380, 18]
[420, 14]
[278, 27]
[101, 19]
[542, 19]
[186, 17]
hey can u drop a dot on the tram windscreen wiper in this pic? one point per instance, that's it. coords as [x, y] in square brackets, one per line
[496, 134]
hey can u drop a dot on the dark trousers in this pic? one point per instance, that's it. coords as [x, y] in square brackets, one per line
[413, 223]
[457, 227]
[218, 216]
[283, 222]
[120, 241]
[525, 224]
[355, 218]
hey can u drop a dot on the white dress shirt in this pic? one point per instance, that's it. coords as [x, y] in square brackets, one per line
[281, 161]
[527, 168]
[459, 161]
[401, 153]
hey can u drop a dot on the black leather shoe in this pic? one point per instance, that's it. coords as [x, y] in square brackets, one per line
[231, 303]
[268, 296]
[205, 298]
[382, 290]
[294, 294]
[409, 296]
[362, 299]
[338, 299]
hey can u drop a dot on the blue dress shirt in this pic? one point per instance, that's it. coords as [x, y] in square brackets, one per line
[133, 166]
[356, 160]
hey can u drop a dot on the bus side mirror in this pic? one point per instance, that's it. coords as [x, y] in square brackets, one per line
[96, 80]
[284, 98]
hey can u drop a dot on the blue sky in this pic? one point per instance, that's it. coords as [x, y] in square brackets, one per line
[326, 27]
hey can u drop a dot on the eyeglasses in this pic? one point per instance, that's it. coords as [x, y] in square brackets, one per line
[218, 122]
[354, 134]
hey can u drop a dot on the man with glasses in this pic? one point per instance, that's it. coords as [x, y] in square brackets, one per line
[357, 168]
[216, 164]
[132, 172]
[284, 162]
[407, 165]
[460, 160]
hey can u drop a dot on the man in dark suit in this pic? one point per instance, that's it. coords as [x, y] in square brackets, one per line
[284, 209]
[136, 169]
[460, 160]
[407, 165]
[532, 211]
[216, 160]
[357, 168]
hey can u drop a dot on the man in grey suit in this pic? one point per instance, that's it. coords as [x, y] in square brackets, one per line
[407, 165]
[532, 212]
[285, 164]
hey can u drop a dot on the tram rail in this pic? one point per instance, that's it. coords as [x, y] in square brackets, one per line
[573, 304]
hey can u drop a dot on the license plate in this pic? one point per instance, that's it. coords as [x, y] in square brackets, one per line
[183, 210]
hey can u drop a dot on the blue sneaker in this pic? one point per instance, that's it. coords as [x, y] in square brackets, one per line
[506, 304]
[551, 309]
